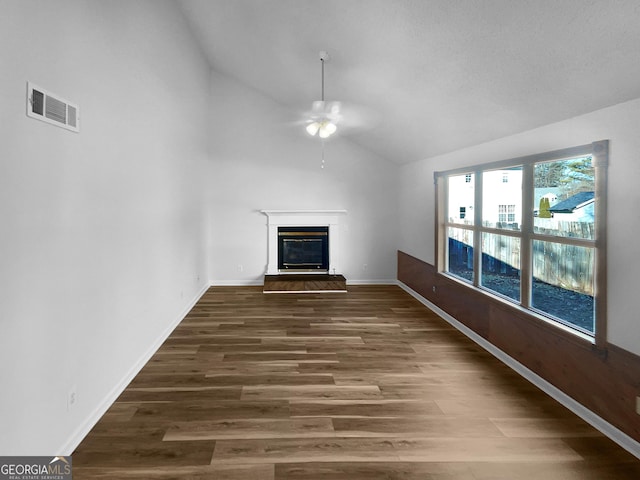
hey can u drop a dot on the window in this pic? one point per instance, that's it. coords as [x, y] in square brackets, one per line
[502, 213]
[532, 234]
[496, 212]
[506, 213]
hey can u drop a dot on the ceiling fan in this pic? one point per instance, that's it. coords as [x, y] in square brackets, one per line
[324, 117]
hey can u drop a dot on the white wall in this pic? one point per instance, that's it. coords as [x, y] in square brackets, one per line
[102, 233]
[619, 124]
[263, 160]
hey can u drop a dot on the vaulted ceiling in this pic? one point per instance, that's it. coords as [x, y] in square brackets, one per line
[434, 76]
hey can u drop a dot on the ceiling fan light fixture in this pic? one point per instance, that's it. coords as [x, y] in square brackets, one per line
[313, 128]
[327, 129]
[323, 128]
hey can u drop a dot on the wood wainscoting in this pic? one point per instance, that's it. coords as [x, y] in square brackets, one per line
[605, 382]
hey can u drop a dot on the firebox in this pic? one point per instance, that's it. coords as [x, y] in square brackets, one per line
[303, 248]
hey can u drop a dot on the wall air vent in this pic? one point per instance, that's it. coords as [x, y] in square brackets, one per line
[51, 108]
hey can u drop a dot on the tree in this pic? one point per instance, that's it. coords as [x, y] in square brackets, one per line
[570, 176]
[544, 210]
[579, 176]
[548, 174]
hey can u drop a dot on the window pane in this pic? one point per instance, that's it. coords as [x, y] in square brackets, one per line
[502, 198]
[564, 198]
[460, 253]
[461, 199]
[563, 283]
[501, 264]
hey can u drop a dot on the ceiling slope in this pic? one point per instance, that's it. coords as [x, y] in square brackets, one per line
[440, 75]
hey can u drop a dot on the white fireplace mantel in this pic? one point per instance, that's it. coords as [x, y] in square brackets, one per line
[303, 218]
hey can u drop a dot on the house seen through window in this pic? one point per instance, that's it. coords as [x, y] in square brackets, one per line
[529, 231]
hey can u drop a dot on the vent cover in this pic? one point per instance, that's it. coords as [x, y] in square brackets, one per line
[51, 108]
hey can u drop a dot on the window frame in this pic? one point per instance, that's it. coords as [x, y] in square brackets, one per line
[599, 151]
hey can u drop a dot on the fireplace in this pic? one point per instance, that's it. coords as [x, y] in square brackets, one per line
[309, 221]
[303, 248]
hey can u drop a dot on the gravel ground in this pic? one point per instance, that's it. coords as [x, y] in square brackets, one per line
[575, 308]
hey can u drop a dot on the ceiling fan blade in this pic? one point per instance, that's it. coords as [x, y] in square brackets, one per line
[357, 117]
[333, 108]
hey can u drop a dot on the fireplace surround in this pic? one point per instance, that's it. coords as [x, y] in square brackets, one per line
[324, 220]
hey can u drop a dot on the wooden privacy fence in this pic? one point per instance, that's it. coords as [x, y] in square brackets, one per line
[565, 266]
[551, 226]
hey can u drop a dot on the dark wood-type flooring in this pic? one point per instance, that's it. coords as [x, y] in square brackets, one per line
[364, 385]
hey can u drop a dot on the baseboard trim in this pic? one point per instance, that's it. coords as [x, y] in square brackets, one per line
[618, 436]
[86, 426]
[260, 283]
[238, 283]
[372, 282]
